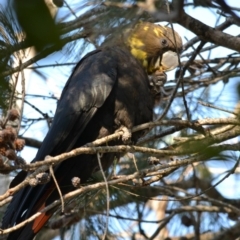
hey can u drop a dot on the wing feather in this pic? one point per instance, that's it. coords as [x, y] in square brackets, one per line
[85, 92]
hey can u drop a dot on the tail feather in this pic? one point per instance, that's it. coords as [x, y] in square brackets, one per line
[30, 201]
[40, 221]
[9, 216]
[25, 233]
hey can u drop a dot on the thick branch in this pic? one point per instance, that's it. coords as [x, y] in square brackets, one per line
[209, 34]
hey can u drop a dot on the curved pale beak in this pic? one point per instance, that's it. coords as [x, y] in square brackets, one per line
[169, 61]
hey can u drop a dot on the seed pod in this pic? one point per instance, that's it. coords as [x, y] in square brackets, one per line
[13, 114]
[10, 154]
[76, 182]
[19, 144]
[3, 149]
[10, 134]
[43, 178]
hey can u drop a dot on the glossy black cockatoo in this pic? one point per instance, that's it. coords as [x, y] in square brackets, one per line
[109, 89]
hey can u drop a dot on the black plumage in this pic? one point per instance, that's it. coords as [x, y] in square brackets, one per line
[109, 89]
[102, 95]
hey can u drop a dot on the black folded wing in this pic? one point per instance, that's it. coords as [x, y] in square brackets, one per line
[84, 94]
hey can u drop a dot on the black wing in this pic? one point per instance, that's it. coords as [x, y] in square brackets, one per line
[85, 92]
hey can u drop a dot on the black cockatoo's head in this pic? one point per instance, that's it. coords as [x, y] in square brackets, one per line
[155, 46]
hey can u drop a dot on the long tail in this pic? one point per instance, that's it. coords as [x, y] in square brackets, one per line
[31, 200]
[31, 229]
[24, 205]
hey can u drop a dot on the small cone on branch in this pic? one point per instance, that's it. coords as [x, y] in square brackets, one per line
[13, 114]
[10, 134]
[43, 178]
[10, 154]
[3, 149]
[76, 182]
[19, 144]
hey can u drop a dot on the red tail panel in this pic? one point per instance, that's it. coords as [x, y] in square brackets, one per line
[40, 221]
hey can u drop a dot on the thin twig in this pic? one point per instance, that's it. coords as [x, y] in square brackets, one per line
[70, 9]
[57, 186]
[23, 97]
[218, 108]
[108, 195]
[164, 167]
[122, 148]
[132, 156]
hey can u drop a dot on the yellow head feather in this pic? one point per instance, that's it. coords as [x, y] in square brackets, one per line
[148, 42]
